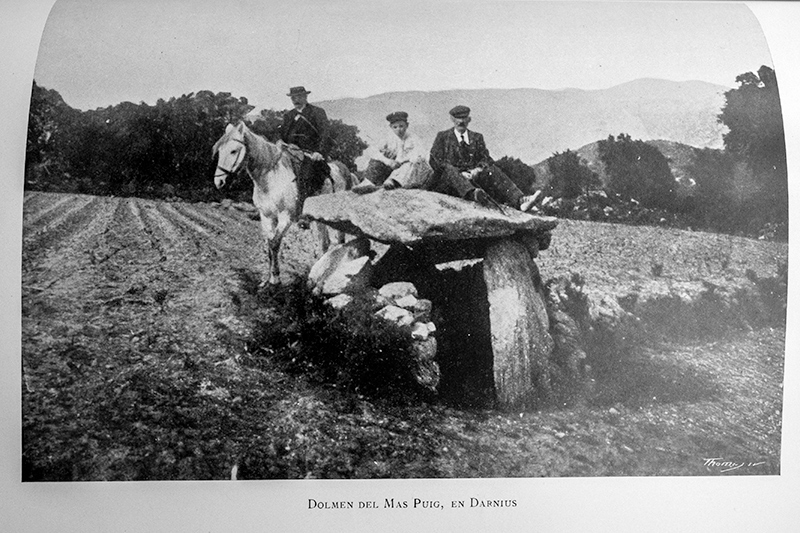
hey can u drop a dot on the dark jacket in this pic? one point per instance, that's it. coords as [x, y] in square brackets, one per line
[446, 149]
[309, 130]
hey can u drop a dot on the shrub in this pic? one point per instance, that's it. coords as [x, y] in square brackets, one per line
[351, 349]
[638, 170]
[571, 176]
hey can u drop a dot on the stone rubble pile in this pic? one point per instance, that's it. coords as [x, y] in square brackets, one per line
[344, 271]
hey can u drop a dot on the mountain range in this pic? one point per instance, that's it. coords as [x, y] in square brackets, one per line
[532, 124]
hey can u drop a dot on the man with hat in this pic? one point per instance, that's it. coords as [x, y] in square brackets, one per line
[462, 167]
[306, 126]
[398, 161]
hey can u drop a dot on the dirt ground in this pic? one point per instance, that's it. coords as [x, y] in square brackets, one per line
[105, 280]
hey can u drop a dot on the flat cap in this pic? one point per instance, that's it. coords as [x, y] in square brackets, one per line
[460, 111]
[397, 115]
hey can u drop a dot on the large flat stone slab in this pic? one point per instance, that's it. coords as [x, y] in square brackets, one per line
[411, 216]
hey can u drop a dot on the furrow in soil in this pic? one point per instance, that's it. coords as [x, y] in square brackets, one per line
[215, 237]
[50, 230]
[40, 204]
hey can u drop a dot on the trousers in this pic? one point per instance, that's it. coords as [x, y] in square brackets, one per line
[491, 179]
[411, 175]
[311, 175]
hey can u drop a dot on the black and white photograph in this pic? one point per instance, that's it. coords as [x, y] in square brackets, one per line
[402, 260]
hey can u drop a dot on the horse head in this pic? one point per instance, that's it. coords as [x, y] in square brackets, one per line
[232, 152]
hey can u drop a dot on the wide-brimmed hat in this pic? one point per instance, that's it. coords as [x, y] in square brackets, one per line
[460, 111]
[397, 116]
[295, 91]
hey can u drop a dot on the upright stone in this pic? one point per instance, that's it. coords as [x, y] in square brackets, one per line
[520, 340]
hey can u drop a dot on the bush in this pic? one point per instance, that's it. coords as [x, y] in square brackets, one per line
[639, 171]
[351, 349]
[571, 176]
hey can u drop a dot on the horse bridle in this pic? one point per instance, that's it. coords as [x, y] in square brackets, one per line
[228, 173]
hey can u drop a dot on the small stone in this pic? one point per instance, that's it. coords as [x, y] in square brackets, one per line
[419, 331]
[408, 301]
[398, 315]
[339, 301]
[398, 289]
[427, 374]
[613, 412]
[425, 350]
[560, 434]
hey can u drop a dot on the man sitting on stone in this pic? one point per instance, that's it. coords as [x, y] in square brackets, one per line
[462, 167]
[399, 161]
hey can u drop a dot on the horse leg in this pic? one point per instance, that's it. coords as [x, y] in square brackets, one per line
[272, 239]
[284, 220]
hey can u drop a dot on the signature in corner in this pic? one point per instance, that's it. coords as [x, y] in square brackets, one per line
[728, 466]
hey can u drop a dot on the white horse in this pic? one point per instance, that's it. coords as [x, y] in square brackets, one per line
[274, 184]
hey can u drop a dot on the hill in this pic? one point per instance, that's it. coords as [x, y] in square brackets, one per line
[532, 124]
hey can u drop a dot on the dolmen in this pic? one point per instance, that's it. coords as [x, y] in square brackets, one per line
[474, 270]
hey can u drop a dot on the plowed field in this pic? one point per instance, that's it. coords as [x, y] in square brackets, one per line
[113, 286]
[111, 266]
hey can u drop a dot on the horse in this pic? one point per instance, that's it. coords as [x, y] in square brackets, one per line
[275, 193]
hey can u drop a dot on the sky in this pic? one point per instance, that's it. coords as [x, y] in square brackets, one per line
[98, 53]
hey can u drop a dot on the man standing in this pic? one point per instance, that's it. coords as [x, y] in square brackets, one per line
[307, 127]
[462, 167]
[399, 161]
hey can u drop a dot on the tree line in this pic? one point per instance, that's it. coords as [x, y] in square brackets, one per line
[161, 151]
[164, 150]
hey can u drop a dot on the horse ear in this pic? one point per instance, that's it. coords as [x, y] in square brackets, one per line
[228, 128]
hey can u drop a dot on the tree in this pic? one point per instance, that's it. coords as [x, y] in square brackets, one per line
[570, 176]
[347, 145]
[714, 203]
[638, 171]
[48, 116]
[752, 113]
[148, 150]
